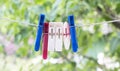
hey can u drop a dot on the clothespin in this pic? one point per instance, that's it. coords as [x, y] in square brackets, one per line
[58, 36]
[66, 35]
[55, 37]
[39, 31]
[51, 37]
[45, 40]
[73, 33]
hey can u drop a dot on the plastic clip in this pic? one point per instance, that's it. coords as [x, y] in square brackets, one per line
[45, 40]
[73, 33]
[58, 36]
[51, 36]
[39, 31]
[66, 35]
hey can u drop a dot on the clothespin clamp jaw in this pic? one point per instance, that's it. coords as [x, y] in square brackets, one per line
[73, 33]
[39, 32]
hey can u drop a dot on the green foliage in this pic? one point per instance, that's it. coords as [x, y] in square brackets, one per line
[118, 8]
[23, 51]
[85, 11]
[1, 49]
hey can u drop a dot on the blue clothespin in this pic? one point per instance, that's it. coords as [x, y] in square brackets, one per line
[73, 33]
[39, 31]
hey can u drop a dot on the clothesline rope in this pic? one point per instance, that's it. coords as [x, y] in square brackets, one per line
[79, 25]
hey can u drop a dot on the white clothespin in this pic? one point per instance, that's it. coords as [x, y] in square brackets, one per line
[51, 36]
[59, 36]
[66, 36]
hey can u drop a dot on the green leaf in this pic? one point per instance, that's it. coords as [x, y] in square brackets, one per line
[96, 48]
[1, 49]
[114, 43]
[118, 8]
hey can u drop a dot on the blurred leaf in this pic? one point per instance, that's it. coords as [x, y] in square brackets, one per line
[97, 47]
[114, 44]
[22, 51]
[1, 49]
[118, 8]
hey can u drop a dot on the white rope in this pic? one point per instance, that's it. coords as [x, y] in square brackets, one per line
[80, 25]
[20, 22]
[99, 23]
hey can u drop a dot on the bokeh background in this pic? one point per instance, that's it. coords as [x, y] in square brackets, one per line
[99, 45]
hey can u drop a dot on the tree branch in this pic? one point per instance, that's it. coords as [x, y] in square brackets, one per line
[108, 14]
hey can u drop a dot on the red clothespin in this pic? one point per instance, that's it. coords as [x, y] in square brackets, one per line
[45, 40]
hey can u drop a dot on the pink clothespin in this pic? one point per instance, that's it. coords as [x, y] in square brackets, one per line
[58, 36]
[66, 35]
[45, 40]
[51, 37]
